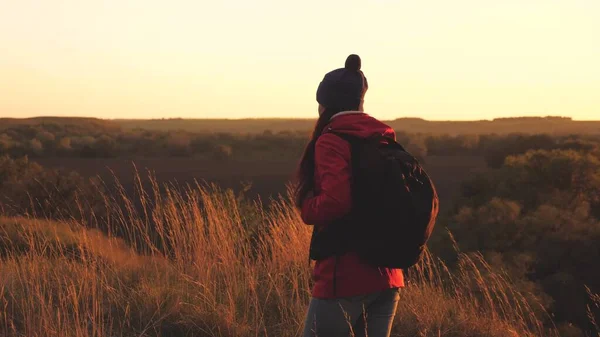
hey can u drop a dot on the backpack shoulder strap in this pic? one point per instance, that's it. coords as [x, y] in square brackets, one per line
[353, 140]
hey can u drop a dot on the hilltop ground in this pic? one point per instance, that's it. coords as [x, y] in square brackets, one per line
[526, 202]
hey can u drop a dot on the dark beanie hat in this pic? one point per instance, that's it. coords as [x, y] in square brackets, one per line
[343, 88]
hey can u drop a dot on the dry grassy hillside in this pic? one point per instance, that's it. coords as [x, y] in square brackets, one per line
[226, 268]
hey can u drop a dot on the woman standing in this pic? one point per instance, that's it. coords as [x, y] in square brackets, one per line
[348, 294]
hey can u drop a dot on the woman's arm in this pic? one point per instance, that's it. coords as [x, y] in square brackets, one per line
[333, 171]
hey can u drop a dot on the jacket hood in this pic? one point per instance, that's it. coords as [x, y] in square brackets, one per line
[359, 124]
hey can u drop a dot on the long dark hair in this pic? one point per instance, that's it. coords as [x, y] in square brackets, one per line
[306, 169]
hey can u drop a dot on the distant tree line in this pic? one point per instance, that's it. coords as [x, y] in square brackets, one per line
[52, 140]
[56, 140]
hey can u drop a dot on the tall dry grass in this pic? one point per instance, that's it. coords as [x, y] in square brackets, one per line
[593, 310]
[197, 261]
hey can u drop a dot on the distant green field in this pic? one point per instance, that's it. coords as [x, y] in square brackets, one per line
[268, 177]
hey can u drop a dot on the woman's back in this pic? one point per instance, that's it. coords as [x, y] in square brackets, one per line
[346, 275]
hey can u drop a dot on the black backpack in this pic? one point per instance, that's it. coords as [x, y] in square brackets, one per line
[395, 206]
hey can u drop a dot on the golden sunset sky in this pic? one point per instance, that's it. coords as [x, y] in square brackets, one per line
[438, 60]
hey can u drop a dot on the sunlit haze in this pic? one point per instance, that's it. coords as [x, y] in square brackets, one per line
[438, 60]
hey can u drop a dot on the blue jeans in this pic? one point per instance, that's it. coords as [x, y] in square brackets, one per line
[369, 315]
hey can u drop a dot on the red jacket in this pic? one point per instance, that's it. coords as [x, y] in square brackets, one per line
[333, 200]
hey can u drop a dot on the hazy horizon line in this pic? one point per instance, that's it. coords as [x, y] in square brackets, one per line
[304, 118]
